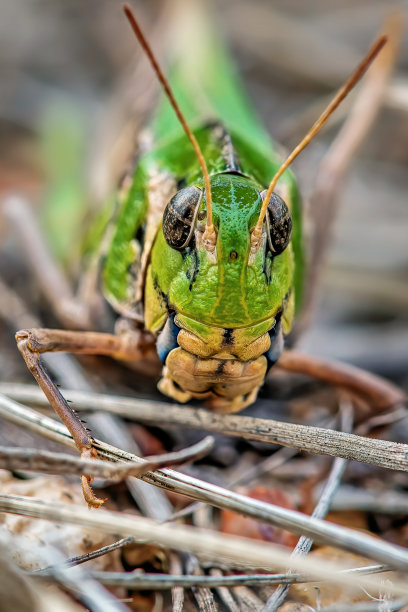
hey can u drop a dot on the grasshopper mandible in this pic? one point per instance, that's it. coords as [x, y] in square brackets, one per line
[205, 257]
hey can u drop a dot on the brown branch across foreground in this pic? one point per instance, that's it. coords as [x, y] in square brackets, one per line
[382, 453]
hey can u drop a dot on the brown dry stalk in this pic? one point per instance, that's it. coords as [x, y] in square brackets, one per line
[382, 453]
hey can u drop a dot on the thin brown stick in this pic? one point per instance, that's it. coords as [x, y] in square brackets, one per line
[382, 453]
[32, 459]
[100, 552]
[213, 545]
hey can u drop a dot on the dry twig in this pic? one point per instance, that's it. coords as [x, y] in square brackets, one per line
[37, 460]
[382, 453]
[141, 581]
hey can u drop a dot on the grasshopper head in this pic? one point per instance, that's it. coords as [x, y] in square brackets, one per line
[230, 286]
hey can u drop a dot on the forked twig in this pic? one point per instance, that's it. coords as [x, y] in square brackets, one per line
[59, 463]
[194, 488]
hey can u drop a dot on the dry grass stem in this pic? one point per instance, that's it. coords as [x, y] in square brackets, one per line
[217, 546]
[139, 581]
[382, 453]
[177, 592]
[224, 593]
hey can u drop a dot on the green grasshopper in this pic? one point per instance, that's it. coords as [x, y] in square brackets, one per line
[205, 255]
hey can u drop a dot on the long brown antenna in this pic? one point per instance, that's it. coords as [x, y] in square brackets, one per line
[339, 97]
[209, 237]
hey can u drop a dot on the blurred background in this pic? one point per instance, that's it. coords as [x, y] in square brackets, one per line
[75, 91]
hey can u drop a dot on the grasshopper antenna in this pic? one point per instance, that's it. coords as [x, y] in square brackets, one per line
[338, 98]
[209, 237]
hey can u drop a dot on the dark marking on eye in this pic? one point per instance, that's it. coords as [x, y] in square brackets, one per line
[201, 215]
[233, 255]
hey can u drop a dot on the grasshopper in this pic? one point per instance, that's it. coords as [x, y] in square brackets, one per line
[204, 260]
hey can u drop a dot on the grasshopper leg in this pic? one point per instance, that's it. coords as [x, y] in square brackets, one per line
[33, 342]
[381, 394]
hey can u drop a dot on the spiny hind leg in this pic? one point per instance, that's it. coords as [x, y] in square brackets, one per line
[33, 342]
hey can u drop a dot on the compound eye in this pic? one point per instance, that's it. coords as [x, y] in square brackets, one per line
[278, 223]
[179, 217]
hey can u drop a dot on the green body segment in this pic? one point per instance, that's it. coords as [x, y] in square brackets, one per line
[206, 295]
